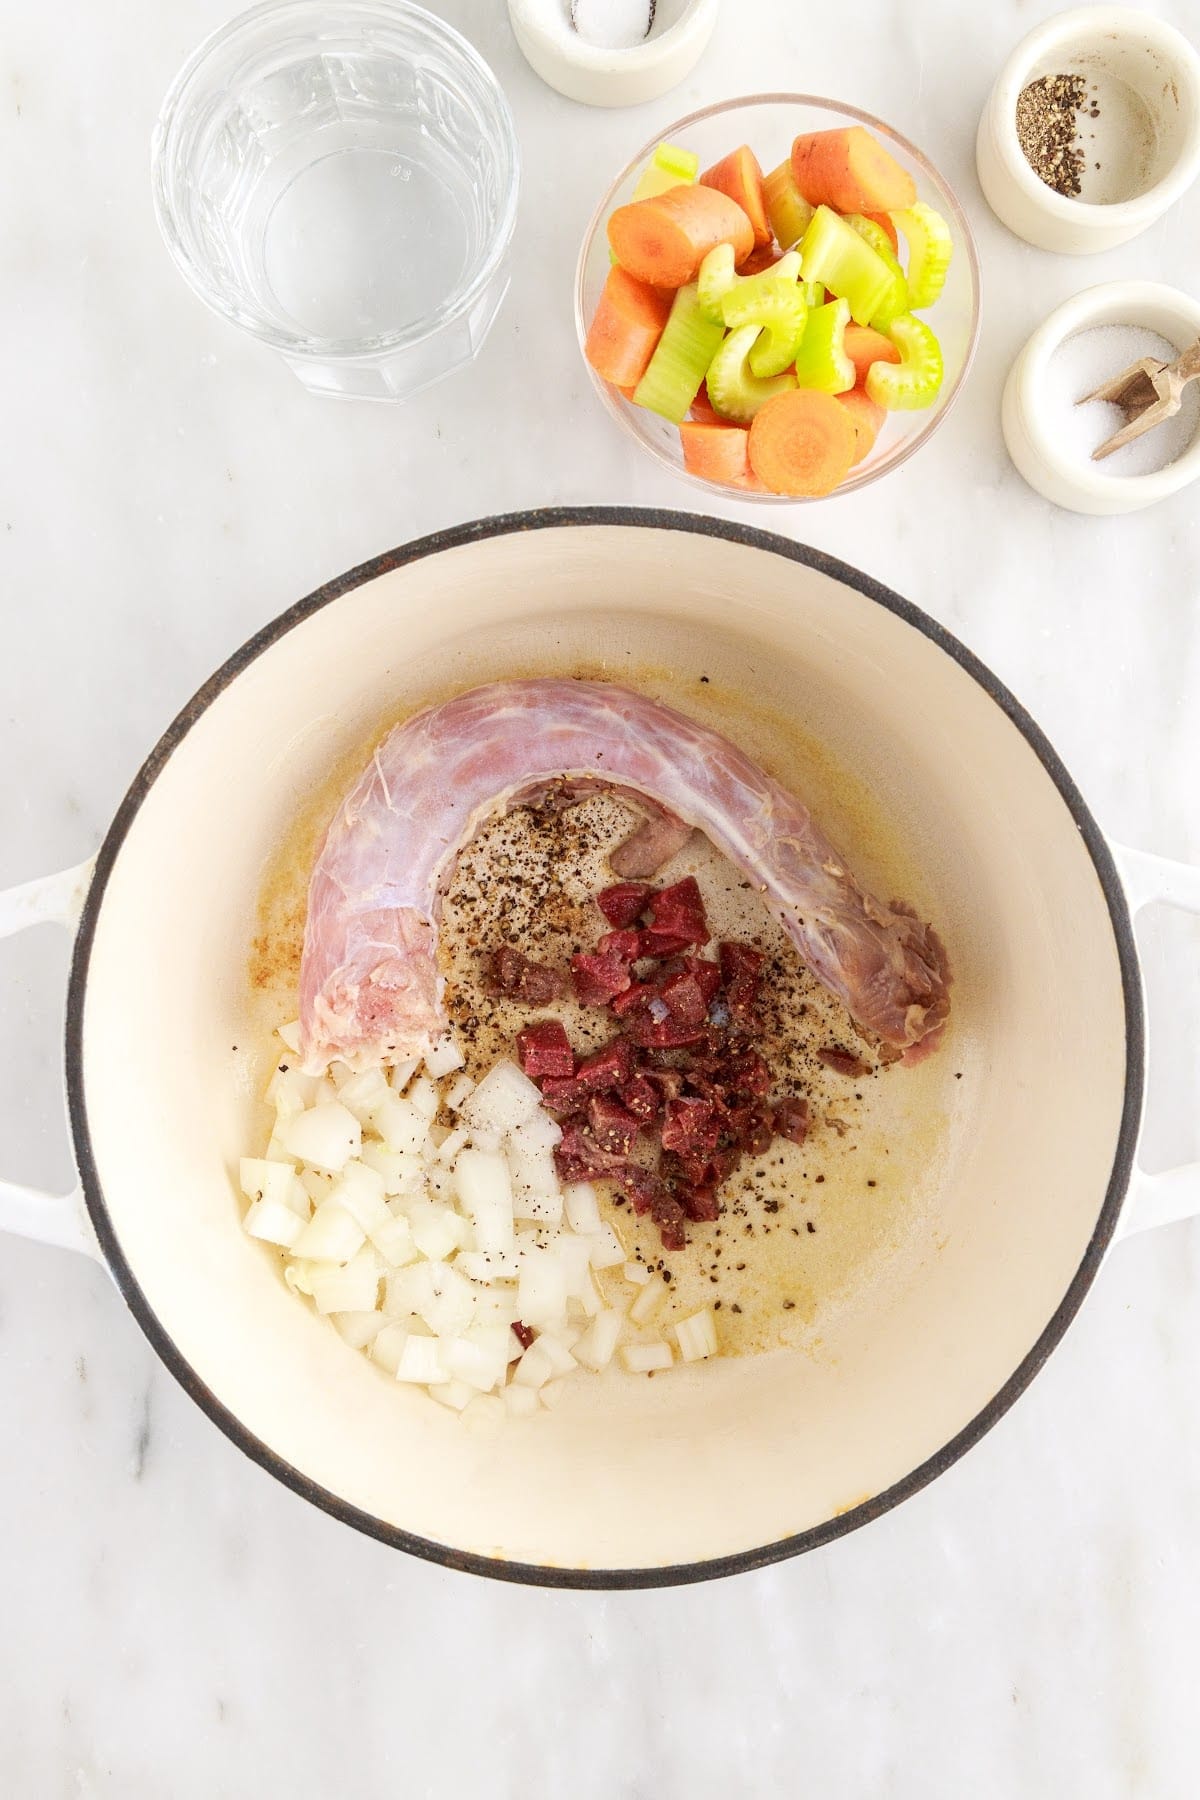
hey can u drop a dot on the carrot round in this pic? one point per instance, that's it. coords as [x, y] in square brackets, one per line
[716, 452]
[625, 328]
[740, 176]
[703, 411]
[802, 442]
[884, 222]
[867, 418]
[851, 171]
[865, 346]
[664, 240]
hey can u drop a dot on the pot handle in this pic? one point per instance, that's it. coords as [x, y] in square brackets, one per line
[1175, 1193]
[58, 1219]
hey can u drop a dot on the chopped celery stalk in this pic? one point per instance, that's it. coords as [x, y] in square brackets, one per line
[733, 390]
[914, 381]
[835, 254]
[787, 209]
[897, 298]
[779, 309]
[929, 251]
[687, 346]
[669, 167]
[814, 292]
[821, 361]
[714, 280]
[717, 285]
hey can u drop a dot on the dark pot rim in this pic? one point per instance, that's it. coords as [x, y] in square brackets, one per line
[534, 1574]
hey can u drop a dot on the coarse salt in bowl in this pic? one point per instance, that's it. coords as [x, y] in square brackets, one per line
[768, 123]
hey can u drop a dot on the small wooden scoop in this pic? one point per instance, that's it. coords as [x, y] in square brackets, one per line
[1147, 392]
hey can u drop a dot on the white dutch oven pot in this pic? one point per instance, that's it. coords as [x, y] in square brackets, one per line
[719, 1468]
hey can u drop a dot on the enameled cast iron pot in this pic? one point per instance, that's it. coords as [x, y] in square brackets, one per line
[720, 1468]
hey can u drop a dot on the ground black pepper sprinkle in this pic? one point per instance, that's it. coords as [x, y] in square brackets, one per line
[1047, 123]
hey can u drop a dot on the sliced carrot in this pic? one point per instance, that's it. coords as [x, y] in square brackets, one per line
[884, 222]
[716, 452]
[865, 346]
[762, 257]
[703, 411]
[802, 442]
[625, 328]
[851, 171]
[664, 240]
[740, 176]
[867, 417]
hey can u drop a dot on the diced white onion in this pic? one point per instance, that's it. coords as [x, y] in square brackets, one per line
[552, 1393]
[274, 1221]
[423, 1095]
[696, 1336]
[542, 1289]
[535, 1367]
[647, 1303]
[290, 1090]
[316, 1184]
[595, 1348]
[482, 1364]
[362, 1093]
[290, 1035]
[331, 1235]
[637, 1273]
[400, 1172]
[352, 1288]
[488, 1265]
[640, 1359]
[400, 1124]
[605, 1249]
[437, 1231]
[358, 1328]
[520, 1402]
[504, 1099]
[452, 1143]
[581, 1206]
[454, 1394]
[262, 1179]
[444, 1058]
[541, 1132]
[450, 1306]
[458, 1093]
[276, 1151]
[485, 1190]
[421, 1360]
[388, 1346]
[326, 1136]
[403, 1072]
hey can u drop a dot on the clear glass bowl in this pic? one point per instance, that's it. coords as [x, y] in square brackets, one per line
[341, 181]
[768, 123]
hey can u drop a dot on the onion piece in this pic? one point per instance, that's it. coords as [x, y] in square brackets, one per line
[641, 1359]
[696, 1335]
[362, 1093]
[647, 1303]
[437, 1231]
[444, 1057]
[289, 1034]
[504, 1099]
[595, 1348]
[637, 1273]
[358, 1329]
[331, 1235]
[520, 1402]
[352, 1288]
[421, 1360]
[605, 1249]
[326, 1135]
[273, 1221]
[458, 1093]
[581, 1206]
[403, 1072]
[388, 1346]
[423, 1095]
[485, 1190]
[400, 1124]
[261, 1179]
[453, 1393]
[542, 1289]
[552, 1392]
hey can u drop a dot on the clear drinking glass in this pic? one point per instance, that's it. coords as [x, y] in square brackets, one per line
[341, 181]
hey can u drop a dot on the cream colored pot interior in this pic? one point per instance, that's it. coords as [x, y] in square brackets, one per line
[1019, 1113]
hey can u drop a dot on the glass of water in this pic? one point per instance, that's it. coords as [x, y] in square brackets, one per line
[341, 181]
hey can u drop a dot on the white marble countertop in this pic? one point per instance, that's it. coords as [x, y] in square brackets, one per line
[178, 1624]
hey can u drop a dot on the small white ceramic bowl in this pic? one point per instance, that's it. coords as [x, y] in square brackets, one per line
[600, 77]
[1060, 475]
[1146, 138]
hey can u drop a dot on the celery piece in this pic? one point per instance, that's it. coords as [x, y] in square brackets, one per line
[684, 351]
[669, 167]
[834, 253]
[897, 299]
[787, 209]
[914, 381]
[779, 309]
[930, 248]
[733, 390]
[821, 361]
[714, 280]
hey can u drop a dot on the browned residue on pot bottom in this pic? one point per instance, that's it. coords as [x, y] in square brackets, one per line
[804, 1231]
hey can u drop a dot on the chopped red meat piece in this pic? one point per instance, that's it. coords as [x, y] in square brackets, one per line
[640, 1097]
[746, 1073]
[650, 1024]
[790, 1118]
[661, 944]
[690, 1126]
[579, 1157]
[741, 971]
[624, 903]
[683, 997]
[545, 1049]
[612, 1127]
[707, 973]
[669, 1081]
[524, 1334]
[641, 1186]
[510, 973]
[843, 1061]
[751, 1128]
[678, 911]
[625, 944]
[607, 1067]
[700, 1203]
[669, 1216]
[599, 975]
